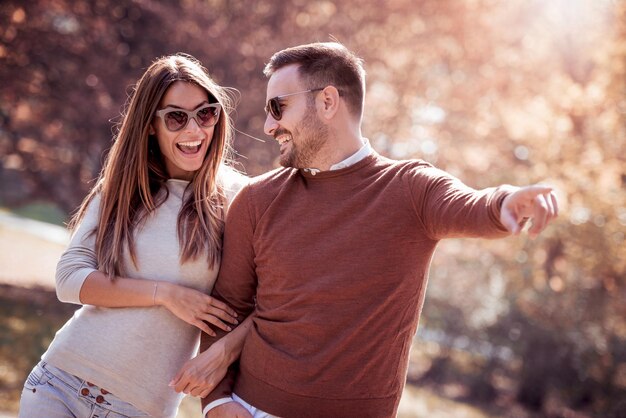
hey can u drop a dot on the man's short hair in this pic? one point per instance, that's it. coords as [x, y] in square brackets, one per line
[324, 64]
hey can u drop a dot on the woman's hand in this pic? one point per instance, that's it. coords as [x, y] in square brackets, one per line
[194, 307]
[200, 375]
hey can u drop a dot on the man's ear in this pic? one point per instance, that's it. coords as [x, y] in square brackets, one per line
[329, 102]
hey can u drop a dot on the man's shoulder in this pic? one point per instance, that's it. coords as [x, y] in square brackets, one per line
[267, 185]
[262, 189]
[273, 179]
[408, 165]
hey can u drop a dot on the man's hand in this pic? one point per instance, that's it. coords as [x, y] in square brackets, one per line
[229, 410]
[537, 203]
[199, 376]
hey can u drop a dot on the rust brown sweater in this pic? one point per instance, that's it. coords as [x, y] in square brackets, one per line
[337, 264]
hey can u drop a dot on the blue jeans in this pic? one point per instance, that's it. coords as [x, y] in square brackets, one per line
[54, 393]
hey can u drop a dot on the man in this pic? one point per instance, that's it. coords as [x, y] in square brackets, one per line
[333, 250]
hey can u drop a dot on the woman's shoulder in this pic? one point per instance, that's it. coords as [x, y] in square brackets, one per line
[231, 180]
[90, 207]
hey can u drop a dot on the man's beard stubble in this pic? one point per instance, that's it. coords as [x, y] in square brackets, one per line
[312, 135]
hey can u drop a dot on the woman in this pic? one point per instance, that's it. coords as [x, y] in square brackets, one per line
[144, 256]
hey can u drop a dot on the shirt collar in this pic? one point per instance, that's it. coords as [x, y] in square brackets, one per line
[363, 152]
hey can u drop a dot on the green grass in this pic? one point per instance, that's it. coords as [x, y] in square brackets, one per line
[28, 320]
[42, 211]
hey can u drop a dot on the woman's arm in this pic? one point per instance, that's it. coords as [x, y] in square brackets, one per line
[190, 305]
[100, 290]
[79, 281]
[201, 374]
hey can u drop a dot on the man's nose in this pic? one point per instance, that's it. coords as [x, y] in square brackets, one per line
[270, 125]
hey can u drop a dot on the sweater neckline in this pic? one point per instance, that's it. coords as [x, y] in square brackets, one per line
[180, 181]
[177, 187]
[321, 175]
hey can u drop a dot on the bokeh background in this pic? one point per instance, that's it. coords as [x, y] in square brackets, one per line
[516, 91]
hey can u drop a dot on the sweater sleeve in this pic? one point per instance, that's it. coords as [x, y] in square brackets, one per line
[237, 281]
[447, 208]
[79, 259]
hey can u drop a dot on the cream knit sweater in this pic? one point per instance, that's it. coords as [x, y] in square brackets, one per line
[133, 352]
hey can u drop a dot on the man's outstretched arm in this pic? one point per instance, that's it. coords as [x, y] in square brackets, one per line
[447, 208]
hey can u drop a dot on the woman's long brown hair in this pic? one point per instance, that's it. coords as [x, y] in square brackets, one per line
[134, 173]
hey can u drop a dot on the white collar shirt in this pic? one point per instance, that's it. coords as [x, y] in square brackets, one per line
[363, 152]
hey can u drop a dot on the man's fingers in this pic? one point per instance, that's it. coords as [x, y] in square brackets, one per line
[537, 202]
[555, 204]
[552, 210]
[508, 220]
[181, 385]
[541, 213]
[531, 191]
[176, 380]
[203, 389]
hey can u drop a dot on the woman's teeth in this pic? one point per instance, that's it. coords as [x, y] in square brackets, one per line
[190, 147]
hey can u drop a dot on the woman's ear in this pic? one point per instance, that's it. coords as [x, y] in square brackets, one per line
[151, 130]
[329, 102]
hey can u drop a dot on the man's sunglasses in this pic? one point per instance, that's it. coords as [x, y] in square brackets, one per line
[176, 119]
[273, 105]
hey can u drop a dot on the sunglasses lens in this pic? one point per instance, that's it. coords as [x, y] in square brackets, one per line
[208, 116]
[175, 120]
[274, 109]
